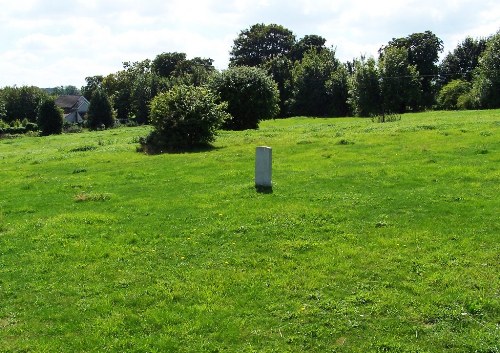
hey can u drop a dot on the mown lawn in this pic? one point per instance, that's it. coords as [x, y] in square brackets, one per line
[376, 238]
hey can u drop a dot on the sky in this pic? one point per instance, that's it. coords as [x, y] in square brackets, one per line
[59, 43]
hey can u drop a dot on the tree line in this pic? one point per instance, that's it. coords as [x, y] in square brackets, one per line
[297, 77]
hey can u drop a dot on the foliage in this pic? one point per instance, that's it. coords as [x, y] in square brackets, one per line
[92, 84]
[461, 63]
[364, 94]
[319, 85]
[400, 83]
[50, 118]
[306, 44]
[21, 102]
[337, 88]
[423, 53]
[3, 109]
[450, 93]
[184, 117]
[143, 90]
[280, 69]
[487, 81]
[251, 95]
[165, 64]
[260, 43]
[63, 91]
[100, 113]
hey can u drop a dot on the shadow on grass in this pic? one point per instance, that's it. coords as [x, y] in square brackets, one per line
[264, 189]
[153, 150]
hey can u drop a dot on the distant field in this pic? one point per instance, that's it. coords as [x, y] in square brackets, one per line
[376, 238]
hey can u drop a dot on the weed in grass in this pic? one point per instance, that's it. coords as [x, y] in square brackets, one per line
[345, 142]
[79, 170]
[84, 197]
[85, 148]
[386, 118]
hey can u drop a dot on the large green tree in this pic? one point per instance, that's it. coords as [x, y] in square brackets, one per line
[307, 43]
[364, 94]
[260, 43]
[50, 118]
[251, 94]
[487, 81]
[100, 111]
[22, 102]
[400, 83]
[423, 53]
[461, 63]
[280, 69]
[319, 85]
[92, 84]
[165, 64]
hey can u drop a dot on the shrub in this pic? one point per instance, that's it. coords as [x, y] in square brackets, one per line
[251, 94]
[450, 93]
[100, 113]
[31, 127]
[184, 117]
[50, 118]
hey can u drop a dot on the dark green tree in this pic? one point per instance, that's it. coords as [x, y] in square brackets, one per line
[261, 43]
[423, 53]
[280, 69]
[252, 96]
[305, 44]
[183, 118]
[337, 88]
[364, 93]
[317, 85]
[461, 63]
[165, 64]
[400, 82]
[487, 81]
[22, 102]
[92, 84]
[118, 86]
[3, 109]
[100, 113]
[50, 118]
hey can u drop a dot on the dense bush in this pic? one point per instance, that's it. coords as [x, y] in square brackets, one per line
[50, 118]
[184, 117]
[365, 98]
[17, 128]
[487, 80]
[450, 93]
[100, 113]
[251, 95]
[20, 103]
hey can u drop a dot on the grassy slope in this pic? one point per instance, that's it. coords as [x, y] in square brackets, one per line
[377, 237]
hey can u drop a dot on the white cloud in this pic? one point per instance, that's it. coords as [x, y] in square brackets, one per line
[62, 42]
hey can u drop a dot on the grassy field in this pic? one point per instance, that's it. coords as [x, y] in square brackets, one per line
[376, 238]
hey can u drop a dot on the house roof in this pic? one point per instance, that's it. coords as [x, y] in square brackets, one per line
[69, 102]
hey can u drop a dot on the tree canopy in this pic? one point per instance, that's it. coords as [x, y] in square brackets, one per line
[462, 61]
[423, 53]
[260, 43]
[100, 113]
[251, 95]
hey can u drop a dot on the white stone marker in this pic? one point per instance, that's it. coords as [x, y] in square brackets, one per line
[263, 167]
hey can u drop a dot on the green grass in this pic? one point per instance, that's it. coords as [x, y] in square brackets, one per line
[376, 238]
